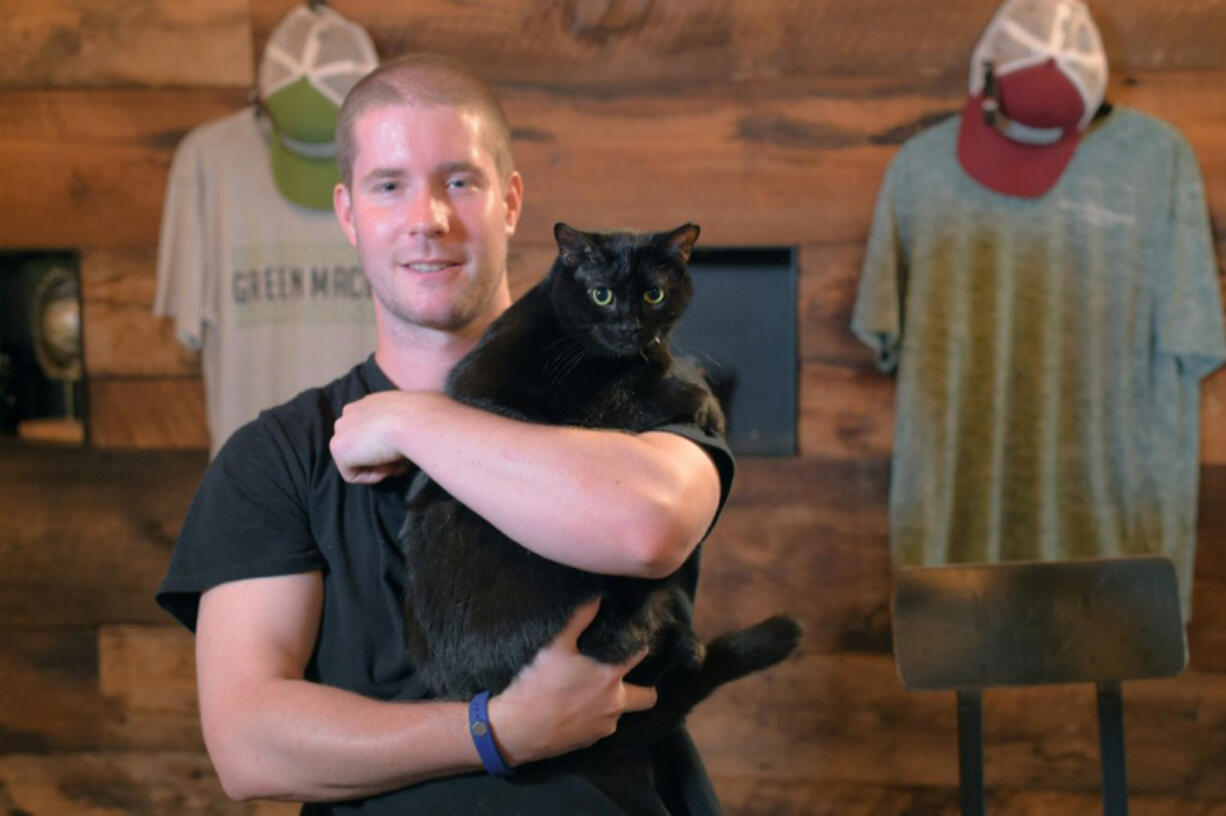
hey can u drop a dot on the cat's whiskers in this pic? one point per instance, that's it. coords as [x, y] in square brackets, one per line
[696, 355]
[570, 353]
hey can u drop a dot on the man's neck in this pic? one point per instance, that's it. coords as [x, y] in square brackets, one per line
[416, 358]
[420, 359]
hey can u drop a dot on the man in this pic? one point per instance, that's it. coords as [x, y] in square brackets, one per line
[288, 566]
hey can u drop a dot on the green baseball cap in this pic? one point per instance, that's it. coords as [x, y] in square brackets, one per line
[312, 60]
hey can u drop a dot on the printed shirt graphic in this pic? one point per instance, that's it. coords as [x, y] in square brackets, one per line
[1049, 351]
[271, 293]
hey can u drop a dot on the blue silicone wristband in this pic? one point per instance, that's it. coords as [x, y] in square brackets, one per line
[483, 737]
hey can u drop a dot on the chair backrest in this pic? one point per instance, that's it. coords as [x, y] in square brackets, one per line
[1031, 623]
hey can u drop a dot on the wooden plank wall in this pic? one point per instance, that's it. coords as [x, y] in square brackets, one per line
[767, 122]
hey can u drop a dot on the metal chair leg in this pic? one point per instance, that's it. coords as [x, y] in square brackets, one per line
[970, 752]
[1111, 749]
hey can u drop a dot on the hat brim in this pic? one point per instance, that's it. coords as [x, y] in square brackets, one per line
[1007, 166]
[304, 181]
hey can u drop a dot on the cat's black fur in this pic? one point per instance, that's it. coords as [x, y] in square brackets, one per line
[479, 606]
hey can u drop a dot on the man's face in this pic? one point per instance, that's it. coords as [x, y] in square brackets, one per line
[429, 214]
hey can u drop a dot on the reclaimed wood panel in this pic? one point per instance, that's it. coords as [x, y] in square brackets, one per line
[748, 795]
[93, 43]
[144, 412]
[155, 118]
[88, 168]
[53, 673]
[120, 784]
[629, 42]
[89, 195]
[1207, 630]
[1211, 524]
[147, 674]
[115, 688]
[805, 537]
[85, 536]
[1213, 418]
[826, 293]
[794, 164]
[122, 336]
[845, 413]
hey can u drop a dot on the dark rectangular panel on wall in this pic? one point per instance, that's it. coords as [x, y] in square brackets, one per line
[41, 386]
[740, 329]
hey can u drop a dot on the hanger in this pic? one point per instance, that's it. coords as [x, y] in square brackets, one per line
[314, 5]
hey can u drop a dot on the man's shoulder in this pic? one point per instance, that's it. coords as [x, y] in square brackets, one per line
[305, 422]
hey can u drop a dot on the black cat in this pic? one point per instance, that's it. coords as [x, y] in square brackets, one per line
[587, 347]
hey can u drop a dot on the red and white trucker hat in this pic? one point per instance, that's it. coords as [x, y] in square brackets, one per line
[1038, 75]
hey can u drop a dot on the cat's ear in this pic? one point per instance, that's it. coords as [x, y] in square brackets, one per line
[681, 240]
[573, 245]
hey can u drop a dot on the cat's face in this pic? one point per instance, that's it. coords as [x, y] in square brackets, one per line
[622, 291]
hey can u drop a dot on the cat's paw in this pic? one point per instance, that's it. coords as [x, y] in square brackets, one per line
[710, 417]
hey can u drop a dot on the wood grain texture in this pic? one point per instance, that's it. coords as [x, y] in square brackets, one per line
[747, 795]
[144, 412]
[1206, 635]
[845, 413]
[120, 784]
[86, 43]
[1211, 524]
[113, 688]
[805, 537]
[154, 118]
[49, 678]
[88, 168]
[1213, 417]
[147, 674]
[826, 294]
[678, 43]
[85, 536]
[794, 163]
[122, 335]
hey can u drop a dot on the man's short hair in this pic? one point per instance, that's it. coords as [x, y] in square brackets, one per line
[423, 79]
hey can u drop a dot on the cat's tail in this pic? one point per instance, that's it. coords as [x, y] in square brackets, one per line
[729, 657]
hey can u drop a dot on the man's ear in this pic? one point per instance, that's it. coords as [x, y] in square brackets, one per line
[342, 205]
[514, 200]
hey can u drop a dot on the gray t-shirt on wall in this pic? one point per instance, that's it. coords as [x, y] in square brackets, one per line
[1049, 351]
[270, 293]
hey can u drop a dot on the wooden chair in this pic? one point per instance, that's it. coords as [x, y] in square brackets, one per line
[969, 626]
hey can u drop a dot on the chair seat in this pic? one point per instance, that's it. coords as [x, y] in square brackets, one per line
[1031, 623]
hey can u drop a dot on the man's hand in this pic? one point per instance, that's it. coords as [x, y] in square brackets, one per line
[364, 443]
[564, 700]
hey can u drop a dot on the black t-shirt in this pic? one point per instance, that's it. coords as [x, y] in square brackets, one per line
[273, 503]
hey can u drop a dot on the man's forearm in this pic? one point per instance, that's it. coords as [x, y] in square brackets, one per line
[599, 500]
[272, 734]
[297, 740]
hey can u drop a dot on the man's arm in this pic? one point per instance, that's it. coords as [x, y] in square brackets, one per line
[602, 501]
[273, 735]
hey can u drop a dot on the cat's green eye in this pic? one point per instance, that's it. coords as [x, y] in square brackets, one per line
[601, 295]
[654, 295]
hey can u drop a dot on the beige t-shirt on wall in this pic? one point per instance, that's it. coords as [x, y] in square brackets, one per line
[270, 293]
[1049, 350]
